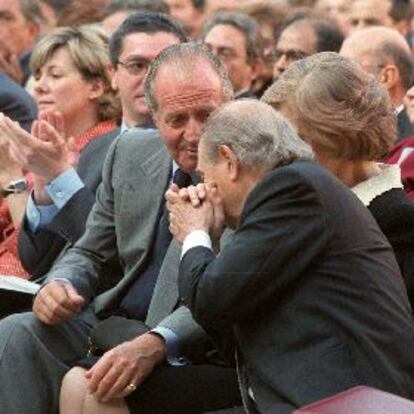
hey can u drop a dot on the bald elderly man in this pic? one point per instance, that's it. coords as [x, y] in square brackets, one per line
[385, 53]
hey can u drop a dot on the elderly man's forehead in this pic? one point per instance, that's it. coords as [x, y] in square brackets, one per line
[365, 43]
[198, 74]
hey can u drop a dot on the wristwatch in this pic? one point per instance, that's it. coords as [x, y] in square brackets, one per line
[14, 187]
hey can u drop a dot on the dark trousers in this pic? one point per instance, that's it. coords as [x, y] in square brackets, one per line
[190, 389]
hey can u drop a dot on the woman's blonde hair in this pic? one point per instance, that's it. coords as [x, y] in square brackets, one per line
[88, 49]
[337, 107]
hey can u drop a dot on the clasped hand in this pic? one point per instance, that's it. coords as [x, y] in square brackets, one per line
[195, 208]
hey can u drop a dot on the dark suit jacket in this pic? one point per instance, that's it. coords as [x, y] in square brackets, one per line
[16, 103]
[39, 250]
[312, 290]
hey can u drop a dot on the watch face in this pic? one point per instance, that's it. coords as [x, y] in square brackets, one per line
[19, 185]
[15, 187]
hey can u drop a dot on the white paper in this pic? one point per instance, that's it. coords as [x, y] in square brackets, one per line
[18, 284]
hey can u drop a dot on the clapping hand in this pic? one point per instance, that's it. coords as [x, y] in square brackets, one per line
[45, 152]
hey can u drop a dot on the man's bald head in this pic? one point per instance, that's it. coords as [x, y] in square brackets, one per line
[385, 53]
[372, 39]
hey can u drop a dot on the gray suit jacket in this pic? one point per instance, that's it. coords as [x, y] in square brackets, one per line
[106, 260]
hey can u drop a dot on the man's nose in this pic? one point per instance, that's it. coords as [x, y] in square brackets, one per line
[193, 131]
[279, 66]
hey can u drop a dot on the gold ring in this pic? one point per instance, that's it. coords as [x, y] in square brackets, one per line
[130, 388]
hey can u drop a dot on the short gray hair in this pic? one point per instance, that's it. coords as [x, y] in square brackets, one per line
[182, 58]
[257, 134]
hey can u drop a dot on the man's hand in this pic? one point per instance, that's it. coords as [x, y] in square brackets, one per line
[128, 363]
[47, 156]
[57, 302]
[9, 168]
[219, 217]
[194, 202]
[188, 213]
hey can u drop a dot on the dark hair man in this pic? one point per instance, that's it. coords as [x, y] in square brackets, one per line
[304, 37]
[235, 39]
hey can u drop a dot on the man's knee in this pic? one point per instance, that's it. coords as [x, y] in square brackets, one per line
[17, 328]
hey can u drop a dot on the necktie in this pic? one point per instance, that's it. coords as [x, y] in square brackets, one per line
[182, 179]
[136, 302]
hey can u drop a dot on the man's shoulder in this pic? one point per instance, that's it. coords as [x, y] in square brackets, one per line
[300, 177]
[139, 136]
[15, 102]
[301, 170]
[101, 141]
[138, 152]
[142, 143]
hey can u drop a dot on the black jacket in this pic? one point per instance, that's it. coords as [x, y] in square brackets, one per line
[316, 304]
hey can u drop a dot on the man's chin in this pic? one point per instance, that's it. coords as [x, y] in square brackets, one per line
[188, 165]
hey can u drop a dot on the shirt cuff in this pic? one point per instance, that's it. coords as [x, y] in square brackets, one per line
[64, 187]
[38, 217]
[171, 341]
[194, 239]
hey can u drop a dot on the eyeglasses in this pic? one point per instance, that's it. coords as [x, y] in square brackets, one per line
[291, 55]
[135, 67]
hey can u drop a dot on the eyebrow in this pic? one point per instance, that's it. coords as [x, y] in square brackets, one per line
[6, 14]
[53, 66]
[136, 57]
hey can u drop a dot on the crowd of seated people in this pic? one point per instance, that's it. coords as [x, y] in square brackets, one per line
[126, 183]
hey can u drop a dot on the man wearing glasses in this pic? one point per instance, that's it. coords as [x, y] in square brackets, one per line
[302, 37]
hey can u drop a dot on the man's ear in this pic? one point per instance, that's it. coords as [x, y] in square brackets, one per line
[257, 66]
[33, 30]
[232, 165]
[114, 78]
[390, 76]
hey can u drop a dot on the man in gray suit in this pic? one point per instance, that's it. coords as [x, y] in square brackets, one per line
[185, 85]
